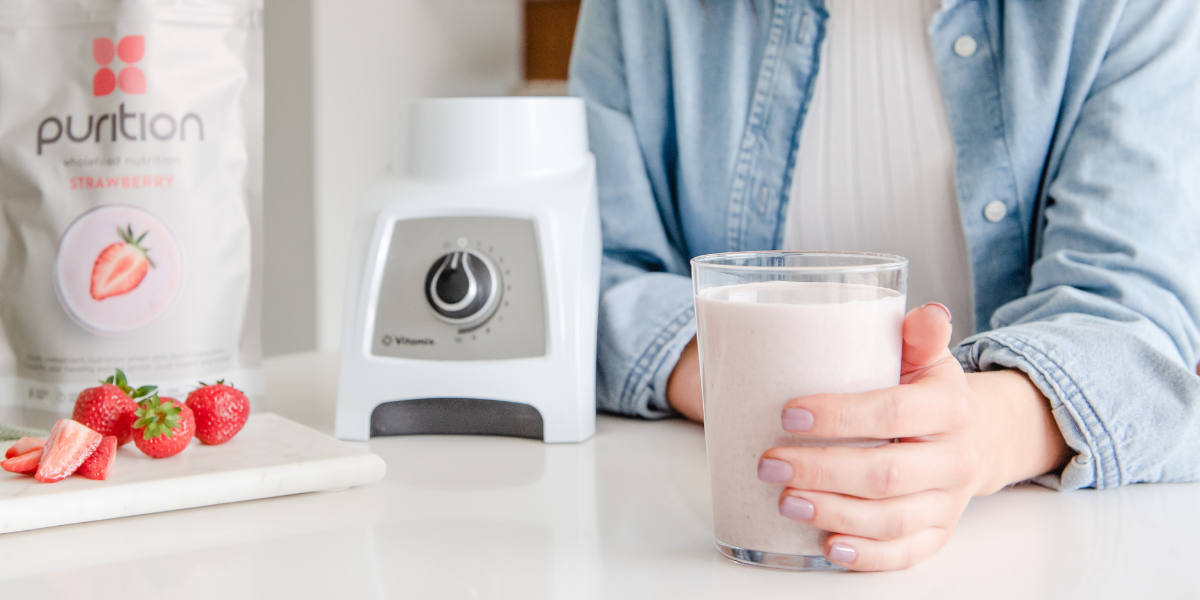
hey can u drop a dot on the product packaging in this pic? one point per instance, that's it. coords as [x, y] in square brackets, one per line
[130, 191]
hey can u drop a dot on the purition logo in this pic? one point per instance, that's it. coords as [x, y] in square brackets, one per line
[115, 123]
[131, 79]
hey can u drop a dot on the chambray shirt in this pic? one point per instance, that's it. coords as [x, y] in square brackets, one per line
[1081, 116]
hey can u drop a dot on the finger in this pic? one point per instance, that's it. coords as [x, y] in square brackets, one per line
[935, 403]
[927, 332]
[888, 519]
[885, 472]
[862, 554]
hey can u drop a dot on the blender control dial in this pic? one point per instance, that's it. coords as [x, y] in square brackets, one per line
[463, 288]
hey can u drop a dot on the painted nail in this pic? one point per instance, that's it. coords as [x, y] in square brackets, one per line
[949, 317]
[843, 554]
[797, 419]
[797, 508]
[773, 470]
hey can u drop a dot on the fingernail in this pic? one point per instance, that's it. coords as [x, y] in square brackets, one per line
[773, 470]
[841, 553]
[797, 508]
[949, 317]
[797, 419]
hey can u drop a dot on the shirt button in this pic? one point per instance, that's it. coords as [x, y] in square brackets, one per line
[995, 211]
[965, 46]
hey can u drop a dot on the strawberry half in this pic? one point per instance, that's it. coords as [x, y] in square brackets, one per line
[108, 409]
[24, 445]
[25, 464]
[221, 411]
[121, 267]
[69, 444]
[164, 427]
[97, 465]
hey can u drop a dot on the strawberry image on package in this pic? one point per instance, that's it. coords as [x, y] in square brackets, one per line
[130, 210]
[121, 267]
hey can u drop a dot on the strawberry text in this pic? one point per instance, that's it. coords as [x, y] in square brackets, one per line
[136, 182]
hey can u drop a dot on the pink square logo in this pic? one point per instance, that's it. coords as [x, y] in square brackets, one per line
[129, 50]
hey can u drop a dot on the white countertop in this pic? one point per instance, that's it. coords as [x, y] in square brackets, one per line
[624, 515]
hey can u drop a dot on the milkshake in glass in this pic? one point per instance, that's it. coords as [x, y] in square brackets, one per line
[773, 326]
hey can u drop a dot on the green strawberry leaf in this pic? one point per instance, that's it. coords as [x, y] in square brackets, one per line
[143, 391]
[157, 417]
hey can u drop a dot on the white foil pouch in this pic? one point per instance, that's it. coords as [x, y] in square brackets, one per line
[130, 187]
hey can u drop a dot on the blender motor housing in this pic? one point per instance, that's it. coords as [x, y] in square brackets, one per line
[474, 279]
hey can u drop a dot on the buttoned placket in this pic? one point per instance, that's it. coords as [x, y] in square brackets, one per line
[763, 167]
[996, 233]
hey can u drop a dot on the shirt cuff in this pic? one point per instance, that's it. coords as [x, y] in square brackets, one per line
[1095, 465]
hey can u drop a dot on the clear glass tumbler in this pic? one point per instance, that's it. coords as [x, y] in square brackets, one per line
[773, 326]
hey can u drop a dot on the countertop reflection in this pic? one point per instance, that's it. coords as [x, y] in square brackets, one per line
[624, 515]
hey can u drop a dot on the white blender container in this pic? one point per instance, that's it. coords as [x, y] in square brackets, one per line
[474, 280]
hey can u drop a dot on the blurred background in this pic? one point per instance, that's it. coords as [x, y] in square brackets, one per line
[339, 75]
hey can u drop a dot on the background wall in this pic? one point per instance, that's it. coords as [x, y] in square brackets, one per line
[352, 66]
[370, 58]
[289, 253]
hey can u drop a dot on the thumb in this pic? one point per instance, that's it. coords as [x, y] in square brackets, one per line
[926, 336]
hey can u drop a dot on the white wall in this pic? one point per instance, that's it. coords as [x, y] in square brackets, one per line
[369, 58]
[289, 251]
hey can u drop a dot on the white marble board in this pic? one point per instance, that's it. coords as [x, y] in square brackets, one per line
[271, 456]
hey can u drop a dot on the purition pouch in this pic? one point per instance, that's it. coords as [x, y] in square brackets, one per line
[130, 186]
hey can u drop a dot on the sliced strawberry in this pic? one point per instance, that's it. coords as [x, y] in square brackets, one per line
[69, 444]
[24, 445]
[26, 464]
[97, 465]
[121, 267]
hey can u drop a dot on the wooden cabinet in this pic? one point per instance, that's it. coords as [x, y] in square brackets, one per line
[549, 31]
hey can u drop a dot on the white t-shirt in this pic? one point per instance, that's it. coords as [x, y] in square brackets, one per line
[875, 166]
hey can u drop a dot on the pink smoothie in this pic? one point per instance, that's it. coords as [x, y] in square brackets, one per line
[762, 344]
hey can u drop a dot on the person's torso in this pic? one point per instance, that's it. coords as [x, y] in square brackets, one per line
[875, 166]
[719, 92]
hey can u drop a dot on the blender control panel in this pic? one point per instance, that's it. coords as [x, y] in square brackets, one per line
[461, 288]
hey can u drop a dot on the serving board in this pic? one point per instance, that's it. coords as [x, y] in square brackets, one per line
[271, 456]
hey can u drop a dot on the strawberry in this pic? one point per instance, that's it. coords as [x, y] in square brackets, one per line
[164, 426]
[25, 464]
[108, 409]
[97, 465]
[69, 444]
[121, 267]
[221, 411]
[24, 445]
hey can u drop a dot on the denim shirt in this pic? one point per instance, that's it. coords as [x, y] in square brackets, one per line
[1081, 116]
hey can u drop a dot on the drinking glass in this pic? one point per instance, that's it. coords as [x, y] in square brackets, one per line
[773, 326]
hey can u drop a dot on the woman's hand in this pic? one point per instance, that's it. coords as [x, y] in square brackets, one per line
[957, 436]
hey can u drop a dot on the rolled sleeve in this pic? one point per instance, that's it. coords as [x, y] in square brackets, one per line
[647, 315]
[644, 325]
[1125, 407]
[1108, 331]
